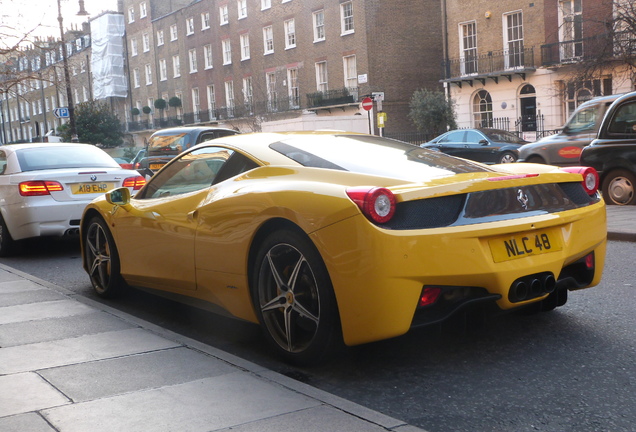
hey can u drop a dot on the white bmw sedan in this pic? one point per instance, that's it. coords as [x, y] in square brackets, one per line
[44, 188]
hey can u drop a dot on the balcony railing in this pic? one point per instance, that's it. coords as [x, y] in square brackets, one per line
[576, 50]
[332, 97]
[488, 64]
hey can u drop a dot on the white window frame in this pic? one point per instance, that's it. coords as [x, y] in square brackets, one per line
[248, 93]
[272, 95]
[211, 101]
[293, 88]
[174, 33]
[268, 40]
[318, 19]
[176, 66]
[346, 18]
[136, 78]
[229, 98]
[143, 10]
[242, 8]
[290, 33]
[468, 48]
[224, 17]
[245, 46]
[207, 57]
[205, 20]
[196, 104]
[160, 39]
[133, 47]
[192, 60]
[350, 67]
[266, 4]
[189, 26]
[163, 69]
[226, 45]
[131, 14]
[512, 24]
[148, 73]
[145, 42]
[322, 76]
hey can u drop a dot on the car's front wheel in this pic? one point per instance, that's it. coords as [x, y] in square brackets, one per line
[619, 187]
[294, 298]
[102, 259]
[507, 157]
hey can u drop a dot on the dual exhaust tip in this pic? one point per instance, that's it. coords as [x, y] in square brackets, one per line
[532, 286]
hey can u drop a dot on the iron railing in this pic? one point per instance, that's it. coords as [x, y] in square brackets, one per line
[488, 63]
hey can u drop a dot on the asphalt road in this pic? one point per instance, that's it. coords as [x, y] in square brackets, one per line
[572, 369]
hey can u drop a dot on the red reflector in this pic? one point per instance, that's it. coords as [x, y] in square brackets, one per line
[429, 295]
[134, 182]
[39, 188]
[589, 261]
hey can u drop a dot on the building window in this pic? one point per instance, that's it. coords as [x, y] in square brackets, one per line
[223, 15]
[571, 29]
[227, 51]
[205, 20]
[513, 39]
[207, 56]
[272, 97]
[136, 77]
[321, 76]
[229, 98]
[266, 4]
[163, 70]
[189, 26]
[482, 109]
[346, 16]
[145, 40]
[248, 94]
[268, 40]
[148, 74]
[179, 110]
[319, 25]
[159, 37]
[211, 102]
[143, 10]
[468, 48]
[242, 8]
[131, 14]
[196, 104]
[176, 66]
[192, 56]
[133, 47]
[292, 86]
[245, 46]
[350, 75]
[290, 34]
[173, 32]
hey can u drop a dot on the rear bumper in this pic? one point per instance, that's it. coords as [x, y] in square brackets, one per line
[43, 217]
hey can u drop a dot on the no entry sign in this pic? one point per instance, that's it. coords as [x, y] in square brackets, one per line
[367, 103]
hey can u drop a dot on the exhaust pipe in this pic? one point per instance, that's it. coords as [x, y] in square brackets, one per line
[536, 287]
[549, 283]
[518, 291]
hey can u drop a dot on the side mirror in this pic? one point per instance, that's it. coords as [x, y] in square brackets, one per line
[119, 196]
[483, 142]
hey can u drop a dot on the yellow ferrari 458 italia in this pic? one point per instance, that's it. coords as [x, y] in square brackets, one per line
[340, 237]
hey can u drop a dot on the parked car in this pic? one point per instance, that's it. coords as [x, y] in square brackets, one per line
[564, 148]
[613, 153]
[322, 237]
[45, 187]
[165, 144]
[491, 146]
[124, 163]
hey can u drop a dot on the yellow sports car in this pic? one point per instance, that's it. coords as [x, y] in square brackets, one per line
[328, 237]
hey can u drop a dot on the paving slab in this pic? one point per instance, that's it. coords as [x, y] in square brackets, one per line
[62, 352]
[105, 378]
[201, 405]
[25, 392]
[28, 332]
[42, 310]
[30, 422]
[17, 285]
[29, 296]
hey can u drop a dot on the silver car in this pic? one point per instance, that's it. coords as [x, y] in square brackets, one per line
[564, 148]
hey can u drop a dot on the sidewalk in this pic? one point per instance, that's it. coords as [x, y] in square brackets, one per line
[70, 364]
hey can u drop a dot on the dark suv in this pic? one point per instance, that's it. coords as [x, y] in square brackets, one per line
[165, 144]
[613, 152]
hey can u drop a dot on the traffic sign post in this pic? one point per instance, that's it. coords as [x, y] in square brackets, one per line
[367, 105]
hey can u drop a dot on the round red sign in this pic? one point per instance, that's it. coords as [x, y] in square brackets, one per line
[367, 103]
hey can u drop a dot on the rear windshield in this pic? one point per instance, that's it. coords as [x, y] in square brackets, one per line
[374, 156]
[169, 144]
[42, 158]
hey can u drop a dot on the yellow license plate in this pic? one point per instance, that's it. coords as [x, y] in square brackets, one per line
[522, 245]
[90, 188]
[156, 166]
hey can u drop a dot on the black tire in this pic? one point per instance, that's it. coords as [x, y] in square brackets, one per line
[536, 159]
[294, 298]
[507, 157]
[102, 259]
[619, 188]
[7, 244]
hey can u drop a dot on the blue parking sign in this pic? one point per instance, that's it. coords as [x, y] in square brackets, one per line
[61, 112]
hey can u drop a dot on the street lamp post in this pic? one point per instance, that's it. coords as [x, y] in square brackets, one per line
[67, 78]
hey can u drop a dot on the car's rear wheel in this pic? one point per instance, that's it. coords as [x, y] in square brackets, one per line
[7, 244]
[536, 159]
[507, 157]
[102, 259]
[294, 298]
[619, 187]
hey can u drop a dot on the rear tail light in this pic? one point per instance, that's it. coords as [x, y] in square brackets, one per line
[589, 261]
[39, 188]
[590, 178]
[135, 183]
[126, 165]
[377, 204]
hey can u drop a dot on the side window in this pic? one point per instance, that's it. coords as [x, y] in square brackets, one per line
[457, 136]
[473, 137]
[3, 162]
[623, 124]
[236, 165]
[192, 172]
